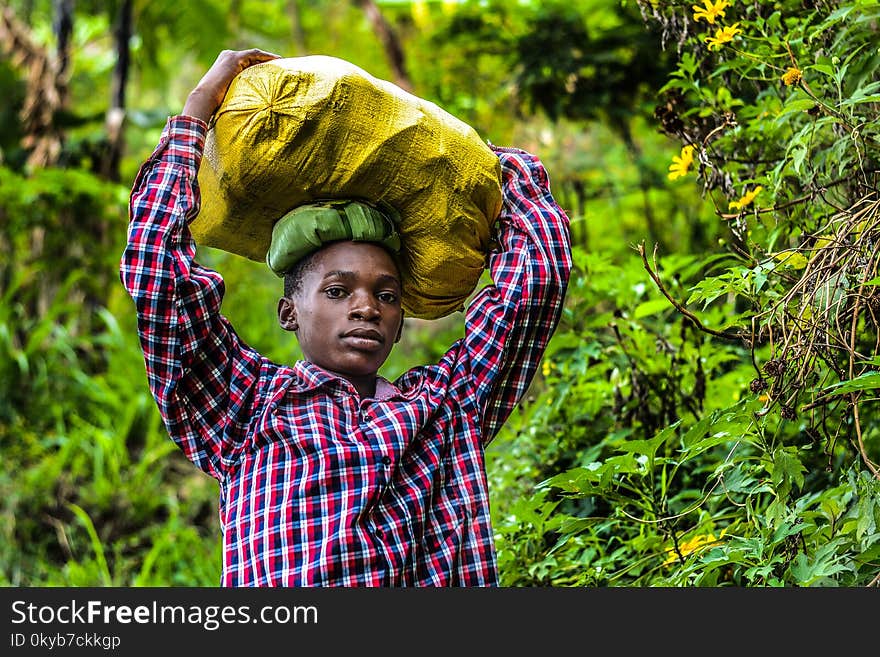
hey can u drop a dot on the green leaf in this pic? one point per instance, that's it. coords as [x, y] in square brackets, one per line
[867, 517]
[821, 68]
[736, 480]
[97, 544]
[798, 153]
[865, 381]
[575, 480]
[651, 307]
[817, 569]
[787, 467]
[735, 280]
[620, 465]
[873, 98]
[649, 447]
[801, 105]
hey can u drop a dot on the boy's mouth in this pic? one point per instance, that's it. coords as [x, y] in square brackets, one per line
[364, 336]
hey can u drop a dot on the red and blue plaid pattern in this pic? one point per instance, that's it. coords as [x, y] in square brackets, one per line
[317, 486]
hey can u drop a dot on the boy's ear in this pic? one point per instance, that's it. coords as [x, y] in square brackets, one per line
[287, 314]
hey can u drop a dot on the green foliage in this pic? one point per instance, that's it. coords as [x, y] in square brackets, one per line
[784, 118]
[653, 463]
[98, 494]
[731, 440]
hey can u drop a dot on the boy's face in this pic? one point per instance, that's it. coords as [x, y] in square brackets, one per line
[347, 314]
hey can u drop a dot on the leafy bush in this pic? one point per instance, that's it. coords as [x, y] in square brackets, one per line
[723, 431]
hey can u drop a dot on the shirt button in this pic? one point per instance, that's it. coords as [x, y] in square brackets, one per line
[386, 461]
[380, 533]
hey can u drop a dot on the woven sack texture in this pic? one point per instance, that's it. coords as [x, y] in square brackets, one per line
[294, 130]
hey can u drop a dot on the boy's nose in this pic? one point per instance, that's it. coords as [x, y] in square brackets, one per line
[363, 307]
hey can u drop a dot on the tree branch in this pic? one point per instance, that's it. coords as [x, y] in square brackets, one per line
[678, 305]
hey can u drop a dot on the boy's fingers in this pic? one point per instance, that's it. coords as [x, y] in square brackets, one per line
[208, 94]
[261, 55]
[231, 62]
[245, 58]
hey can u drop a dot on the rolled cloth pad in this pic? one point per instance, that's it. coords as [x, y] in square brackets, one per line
[294, 130]
[306, 228]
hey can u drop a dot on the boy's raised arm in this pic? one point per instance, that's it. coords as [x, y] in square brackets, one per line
[199, 372]
[509, 324]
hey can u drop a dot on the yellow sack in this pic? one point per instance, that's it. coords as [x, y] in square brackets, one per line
[294, 130]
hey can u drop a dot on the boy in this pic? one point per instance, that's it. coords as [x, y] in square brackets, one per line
[329, 474]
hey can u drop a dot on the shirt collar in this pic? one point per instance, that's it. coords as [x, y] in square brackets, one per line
[308, 376]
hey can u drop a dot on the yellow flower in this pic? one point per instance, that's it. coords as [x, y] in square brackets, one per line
[692, 545]
[449, 6]
[710, 11]
[745, 200]
[545, 368]
[420, 12]
[722, 35]
[681, 164]
[791, 76]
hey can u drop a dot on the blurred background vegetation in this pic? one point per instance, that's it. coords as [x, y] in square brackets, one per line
[707, 412]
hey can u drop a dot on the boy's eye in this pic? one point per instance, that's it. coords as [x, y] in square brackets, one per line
[335, 292]
[387, 297]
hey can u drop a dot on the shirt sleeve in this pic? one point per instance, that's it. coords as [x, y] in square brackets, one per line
[199, 372]
[509, 323]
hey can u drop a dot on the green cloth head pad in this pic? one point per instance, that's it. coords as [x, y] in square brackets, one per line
[308, 227]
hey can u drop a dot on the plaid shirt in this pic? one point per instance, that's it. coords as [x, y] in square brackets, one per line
[319, 487]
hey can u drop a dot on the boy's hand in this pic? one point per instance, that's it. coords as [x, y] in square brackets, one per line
[204, 100]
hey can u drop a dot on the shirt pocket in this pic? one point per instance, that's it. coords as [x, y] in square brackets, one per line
[310, 430]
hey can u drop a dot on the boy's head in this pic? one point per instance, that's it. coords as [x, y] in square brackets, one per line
[342, 296]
